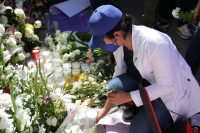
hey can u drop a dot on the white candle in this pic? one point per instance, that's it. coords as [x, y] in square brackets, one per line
[58, 70]
[56, 62]
[67, 73]
[85, 67]
[76, 73]
[48, 67]
[67, 65]
[46, 55]
[91, 115]
[75, 65]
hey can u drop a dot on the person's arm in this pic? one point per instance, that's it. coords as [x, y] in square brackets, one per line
[197, 12]
[160, 60]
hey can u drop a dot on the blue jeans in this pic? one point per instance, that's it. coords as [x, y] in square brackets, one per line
[192, 55]
[140, 123]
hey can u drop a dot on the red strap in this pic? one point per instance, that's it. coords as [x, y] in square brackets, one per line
[188, 127]
[150, 111]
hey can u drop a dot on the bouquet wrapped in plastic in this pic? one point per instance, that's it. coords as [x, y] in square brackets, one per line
[81, 119]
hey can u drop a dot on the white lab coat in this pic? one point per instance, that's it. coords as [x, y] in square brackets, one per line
[158, 61]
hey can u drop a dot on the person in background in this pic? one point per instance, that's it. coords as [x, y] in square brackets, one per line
[192, 55]
[172, 84]
[151, 13]
[183, 30]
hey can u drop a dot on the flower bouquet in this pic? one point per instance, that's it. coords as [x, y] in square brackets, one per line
[184, 16]
[81, 119]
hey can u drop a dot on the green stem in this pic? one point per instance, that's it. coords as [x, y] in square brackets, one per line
[18, 122]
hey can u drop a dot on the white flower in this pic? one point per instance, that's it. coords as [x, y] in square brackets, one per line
[54, 121]
[21, 56]
[5, 122]
[11, 41]
[19, 12]
[18, 102]
[2, 7]
[72, 55]
[35, 37]
[79, 44]
[77, 52]
[100, 61]
[90, 79]
[23, 116]
[48, 121]
[18, 34]
[53, 96]
[29, 32]
[42, 129]
[66, 56]
[14, 49]
[2, 29]
[4, 19]
[2, 46]
[37, 24]
[175, 12]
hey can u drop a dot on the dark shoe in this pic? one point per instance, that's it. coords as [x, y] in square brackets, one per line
[160, 24]
[129, 113]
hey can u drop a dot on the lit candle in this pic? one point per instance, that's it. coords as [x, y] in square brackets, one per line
[34, 53]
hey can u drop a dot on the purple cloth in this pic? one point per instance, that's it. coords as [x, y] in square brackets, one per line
[78, 22]
[117, 128]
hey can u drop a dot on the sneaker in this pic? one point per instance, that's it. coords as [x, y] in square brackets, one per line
[160, 24]
[129, 113]
[184, 32]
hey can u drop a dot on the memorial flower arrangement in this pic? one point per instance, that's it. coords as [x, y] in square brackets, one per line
[184, 16]
[15, 20]
[27, 103]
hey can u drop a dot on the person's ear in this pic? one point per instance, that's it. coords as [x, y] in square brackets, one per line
[116, 34]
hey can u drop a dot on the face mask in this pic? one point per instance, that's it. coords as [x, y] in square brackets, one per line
[109, 47]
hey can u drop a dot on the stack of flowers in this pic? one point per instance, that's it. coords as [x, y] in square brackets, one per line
[15, 20]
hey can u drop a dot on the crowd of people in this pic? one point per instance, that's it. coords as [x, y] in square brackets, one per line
[144, 54]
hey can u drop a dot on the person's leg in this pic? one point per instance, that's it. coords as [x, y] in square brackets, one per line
[151, 10]
[192, 55]
[140, 123]
[124, 83]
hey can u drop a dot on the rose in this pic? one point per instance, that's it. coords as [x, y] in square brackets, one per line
[20, 13]
[37, 24]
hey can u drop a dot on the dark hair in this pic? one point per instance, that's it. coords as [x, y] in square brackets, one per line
[125, 24]
[111, 59]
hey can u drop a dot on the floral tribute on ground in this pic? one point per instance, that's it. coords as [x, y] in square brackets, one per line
[37, 96]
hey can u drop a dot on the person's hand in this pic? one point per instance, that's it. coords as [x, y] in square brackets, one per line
[100, 114]
[119, 97]
[196, 15]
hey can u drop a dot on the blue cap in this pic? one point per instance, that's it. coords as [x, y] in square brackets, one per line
[102, 20]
